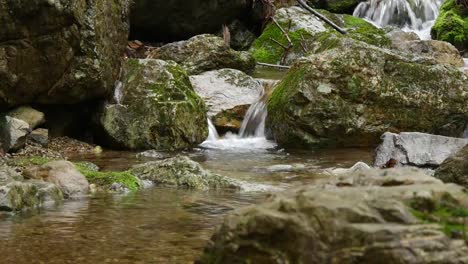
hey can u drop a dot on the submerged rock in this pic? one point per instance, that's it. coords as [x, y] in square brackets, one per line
[8, 174]
[228, 93]
[350, 95]
[54, 52]
[158, 110]
[416, 149]
[455, 168]
[13, 133]
[61, 173]
[182, 172]
[362, 224]
[204, 53]
[17, 196]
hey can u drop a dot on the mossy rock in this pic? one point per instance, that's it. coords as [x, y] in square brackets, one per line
[452, 25]
[308, 35]
[351, 96]
[455, 168]
[159, 109]
[336, 6]
[105, 179]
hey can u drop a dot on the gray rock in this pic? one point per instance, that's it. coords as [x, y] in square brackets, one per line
[225, 89]
[455, 168]
[29, 115]
[182, 172]
[8, 174]
[416, 149]
[204, 53]
[152, 154]
[326, 224]
[13, 133]
[40, 136]
[16, 196]
[63, 174]
[443, 52]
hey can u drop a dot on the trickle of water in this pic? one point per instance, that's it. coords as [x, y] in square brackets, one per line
[410, 15]
[118, 92]
[212, 132]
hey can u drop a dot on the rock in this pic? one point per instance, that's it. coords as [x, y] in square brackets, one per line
[358, 167]
[204, 53]
[309, 34]
[363, 224]
[61, 173]
[8, 175]
[16, 196]
[350, 95]
[54, 52]
[228, 93]
[398, 37]
[40, 136]
[241, 37]
[47, 192]
[13, 133]
[336, 6]
[188, 17]
[152, 154]
[442, 52]
[159, 109]
[455, 168]
[182, 172]
[416, 149]
[452, 24]
[29, 115]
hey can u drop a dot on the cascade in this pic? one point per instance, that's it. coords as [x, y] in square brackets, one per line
[410, 15]
[118, 92]
[212, 133]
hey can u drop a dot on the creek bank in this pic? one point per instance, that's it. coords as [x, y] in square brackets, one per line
[406, 220]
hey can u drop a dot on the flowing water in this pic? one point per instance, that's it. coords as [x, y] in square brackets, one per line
[410, 15]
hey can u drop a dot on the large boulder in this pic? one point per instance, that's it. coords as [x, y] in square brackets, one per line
[352, 94]
[204, 53]
[8, 175]
[455, 168]
[158, 109]
[61, 173]
[33, 117]
[452, 24]
[13, 133]
[182, 172]
[336, 6]
[402, 222]
[54, 52]
[416, 149]
[16, 196]
[309, 34]
[228, 94]
[163, 20]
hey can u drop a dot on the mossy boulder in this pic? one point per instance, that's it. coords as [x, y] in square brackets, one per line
[106, 179]
[350, 96]
[182, 172]
[204, 53]
[57, 52]
[452, 25]
[17, 196]
[358, 224]
[455, 168]
[309, 34]
[336, 6]
[158, 110]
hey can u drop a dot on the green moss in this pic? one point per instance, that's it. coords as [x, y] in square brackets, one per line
[29, 161]
[107, 178]
[452, 25]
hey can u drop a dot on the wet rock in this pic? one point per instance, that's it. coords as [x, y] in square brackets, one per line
[13, 133]
[40, 136]
[358, 167]
[308, 34]
[16, 196]
[455, 168]
[159, 109]
[350, 95]
[204, 53]
[241, 37]
[336, 6]
[152, 154]
[416, 149]
[54, 52]
[187, 17]
[182, 172]
[29, 115]
[61, 173]
[398, 37]
[228, 94]
[362, 224]
[47, 192]
[8, 174]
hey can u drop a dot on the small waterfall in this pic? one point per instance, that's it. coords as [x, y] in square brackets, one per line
[410, 15]
[212, 132]
[118, 92]
[254, 120]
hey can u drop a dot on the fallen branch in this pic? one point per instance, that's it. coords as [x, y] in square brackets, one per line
[317, 14]
[273, 65]
[277, 42]
[286, 35]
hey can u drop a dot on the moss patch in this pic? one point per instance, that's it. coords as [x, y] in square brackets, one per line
[107, 178]
[452, 25]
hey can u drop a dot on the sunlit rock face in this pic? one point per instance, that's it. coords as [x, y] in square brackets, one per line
[60, 52]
